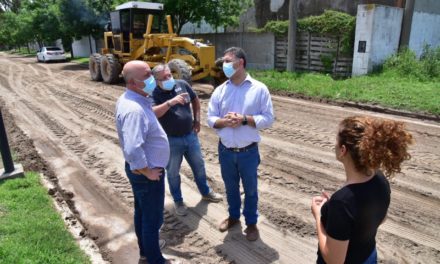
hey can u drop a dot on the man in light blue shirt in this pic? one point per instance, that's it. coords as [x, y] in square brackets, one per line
[146, 152]
[238, 109]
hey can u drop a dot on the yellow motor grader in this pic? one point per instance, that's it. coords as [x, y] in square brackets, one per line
[135, 33]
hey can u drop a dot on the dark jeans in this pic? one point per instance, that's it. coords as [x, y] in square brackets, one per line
[372, 259]
[149, 197]
[241, 165]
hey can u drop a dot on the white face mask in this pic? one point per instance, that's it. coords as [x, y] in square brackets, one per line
[228, 69]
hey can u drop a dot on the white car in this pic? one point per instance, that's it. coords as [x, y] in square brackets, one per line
[46, 54]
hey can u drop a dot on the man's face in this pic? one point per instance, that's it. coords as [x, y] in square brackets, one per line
[141, 75]
[229, 57]
[164, 75]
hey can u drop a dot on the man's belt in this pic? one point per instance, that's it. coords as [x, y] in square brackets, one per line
[243, 149]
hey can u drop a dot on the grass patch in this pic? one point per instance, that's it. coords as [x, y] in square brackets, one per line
[24, 52]
[31, 231]
[81, 60]
[386, 89]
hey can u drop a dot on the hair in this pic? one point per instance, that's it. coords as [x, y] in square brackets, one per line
[127, 76]
[159, 68]
[375, 143]
[238, 53]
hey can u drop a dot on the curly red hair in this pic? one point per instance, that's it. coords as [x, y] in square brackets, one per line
[375, 143]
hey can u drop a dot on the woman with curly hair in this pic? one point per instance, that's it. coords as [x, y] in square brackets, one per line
[371, 150]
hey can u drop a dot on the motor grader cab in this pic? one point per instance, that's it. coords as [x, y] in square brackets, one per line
[136, 33]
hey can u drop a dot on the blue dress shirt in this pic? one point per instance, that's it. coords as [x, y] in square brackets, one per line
[251, 97]
[141, 137]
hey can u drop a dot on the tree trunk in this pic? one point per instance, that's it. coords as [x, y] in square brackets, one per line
[71, 51]
[291, 38]
[90, 45]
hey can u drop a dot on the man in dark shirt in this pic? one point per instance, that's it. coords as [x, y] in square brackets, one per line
[172, 107]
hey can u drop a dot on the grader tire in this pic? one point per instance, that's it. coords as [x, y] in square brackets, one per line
[95, 67]
[180, 70]
[110, 68]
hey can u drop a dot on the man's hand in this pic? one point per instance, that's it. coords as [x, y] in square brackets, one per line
[151, 174]
[179, 99]
[233, 119]
[196, 126]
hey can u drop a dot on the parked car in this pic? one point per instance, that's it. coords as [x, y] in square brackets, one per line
[46, 54]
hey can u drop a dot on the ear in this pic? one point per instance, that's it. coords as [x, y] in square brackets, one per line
[343, 151]
[241, 62]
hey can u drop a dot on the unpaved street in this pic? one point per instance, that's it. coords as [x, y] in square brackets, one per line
[70, 120]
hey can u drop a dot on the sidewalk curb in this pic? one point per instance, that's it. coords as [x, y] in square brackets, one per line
[78, 231]
[363, 106]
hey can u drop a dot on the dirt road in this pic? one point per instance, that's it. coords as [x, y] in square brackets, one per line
[70, 120]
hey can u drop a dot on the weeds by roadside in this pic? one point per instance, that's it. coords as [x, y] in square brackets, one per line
[405, 83]
[31, 231]
[82, 60]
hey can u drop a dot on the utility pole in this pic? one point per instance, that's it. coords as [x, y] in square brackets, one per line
[9, 171]
[291, 37]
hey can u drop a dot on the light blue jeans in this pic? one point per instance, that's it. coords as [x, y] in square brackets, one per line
[235, 166]
[187, 146]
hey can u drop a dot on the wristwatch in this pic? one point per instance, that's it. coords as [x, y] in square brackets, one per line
[244, 122]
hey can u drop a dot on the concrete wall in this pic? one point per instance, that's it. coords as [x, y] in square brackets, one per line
[266, 10]
[425, 26]
[191, 28]
[260, 48]
[379, 26]
[81, 47]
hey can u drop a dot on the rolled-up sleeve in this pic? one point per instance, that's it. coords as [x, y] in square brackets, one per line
[214, 109]
[266, 117]
[134, 128]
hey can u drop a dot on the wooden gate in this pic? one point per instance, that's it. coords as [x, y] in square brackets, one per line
[317, 53]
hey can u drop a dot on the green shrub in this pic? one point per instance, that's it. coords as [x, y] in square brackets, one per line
[406, 64]
[430, 60]
[330, 22]
[327, 61]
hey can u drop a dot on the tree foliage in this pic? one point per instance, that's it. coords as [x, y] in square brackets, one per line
[10, 5]
[44, 21]
[215, 12]
[330, 22]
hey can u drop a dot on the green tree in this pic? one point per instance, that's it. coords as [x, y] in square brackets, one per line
[215, 12]
[225, 12]
[9, 22]
[10, 5]
[82, 18]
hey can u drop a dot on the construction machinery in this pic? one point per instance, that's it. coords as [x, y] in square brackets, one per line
[135, 33]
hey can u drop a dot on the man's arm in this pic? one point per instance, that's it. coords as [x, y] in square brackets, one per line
[196, 112]
[160, 110]
[134, 127]
[266, 117]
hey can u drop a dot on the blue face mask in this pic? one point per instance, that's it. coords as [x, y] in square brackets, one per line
[150, 84]
[168, 84]
[228, 69]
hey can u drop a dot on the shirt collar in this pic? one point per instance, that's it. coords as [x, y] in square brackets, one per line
[136, 96]
[247, 79]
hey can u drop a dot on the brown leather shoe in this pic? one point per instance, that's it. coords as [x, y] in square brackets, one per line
[228, 223]
[252, 232]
